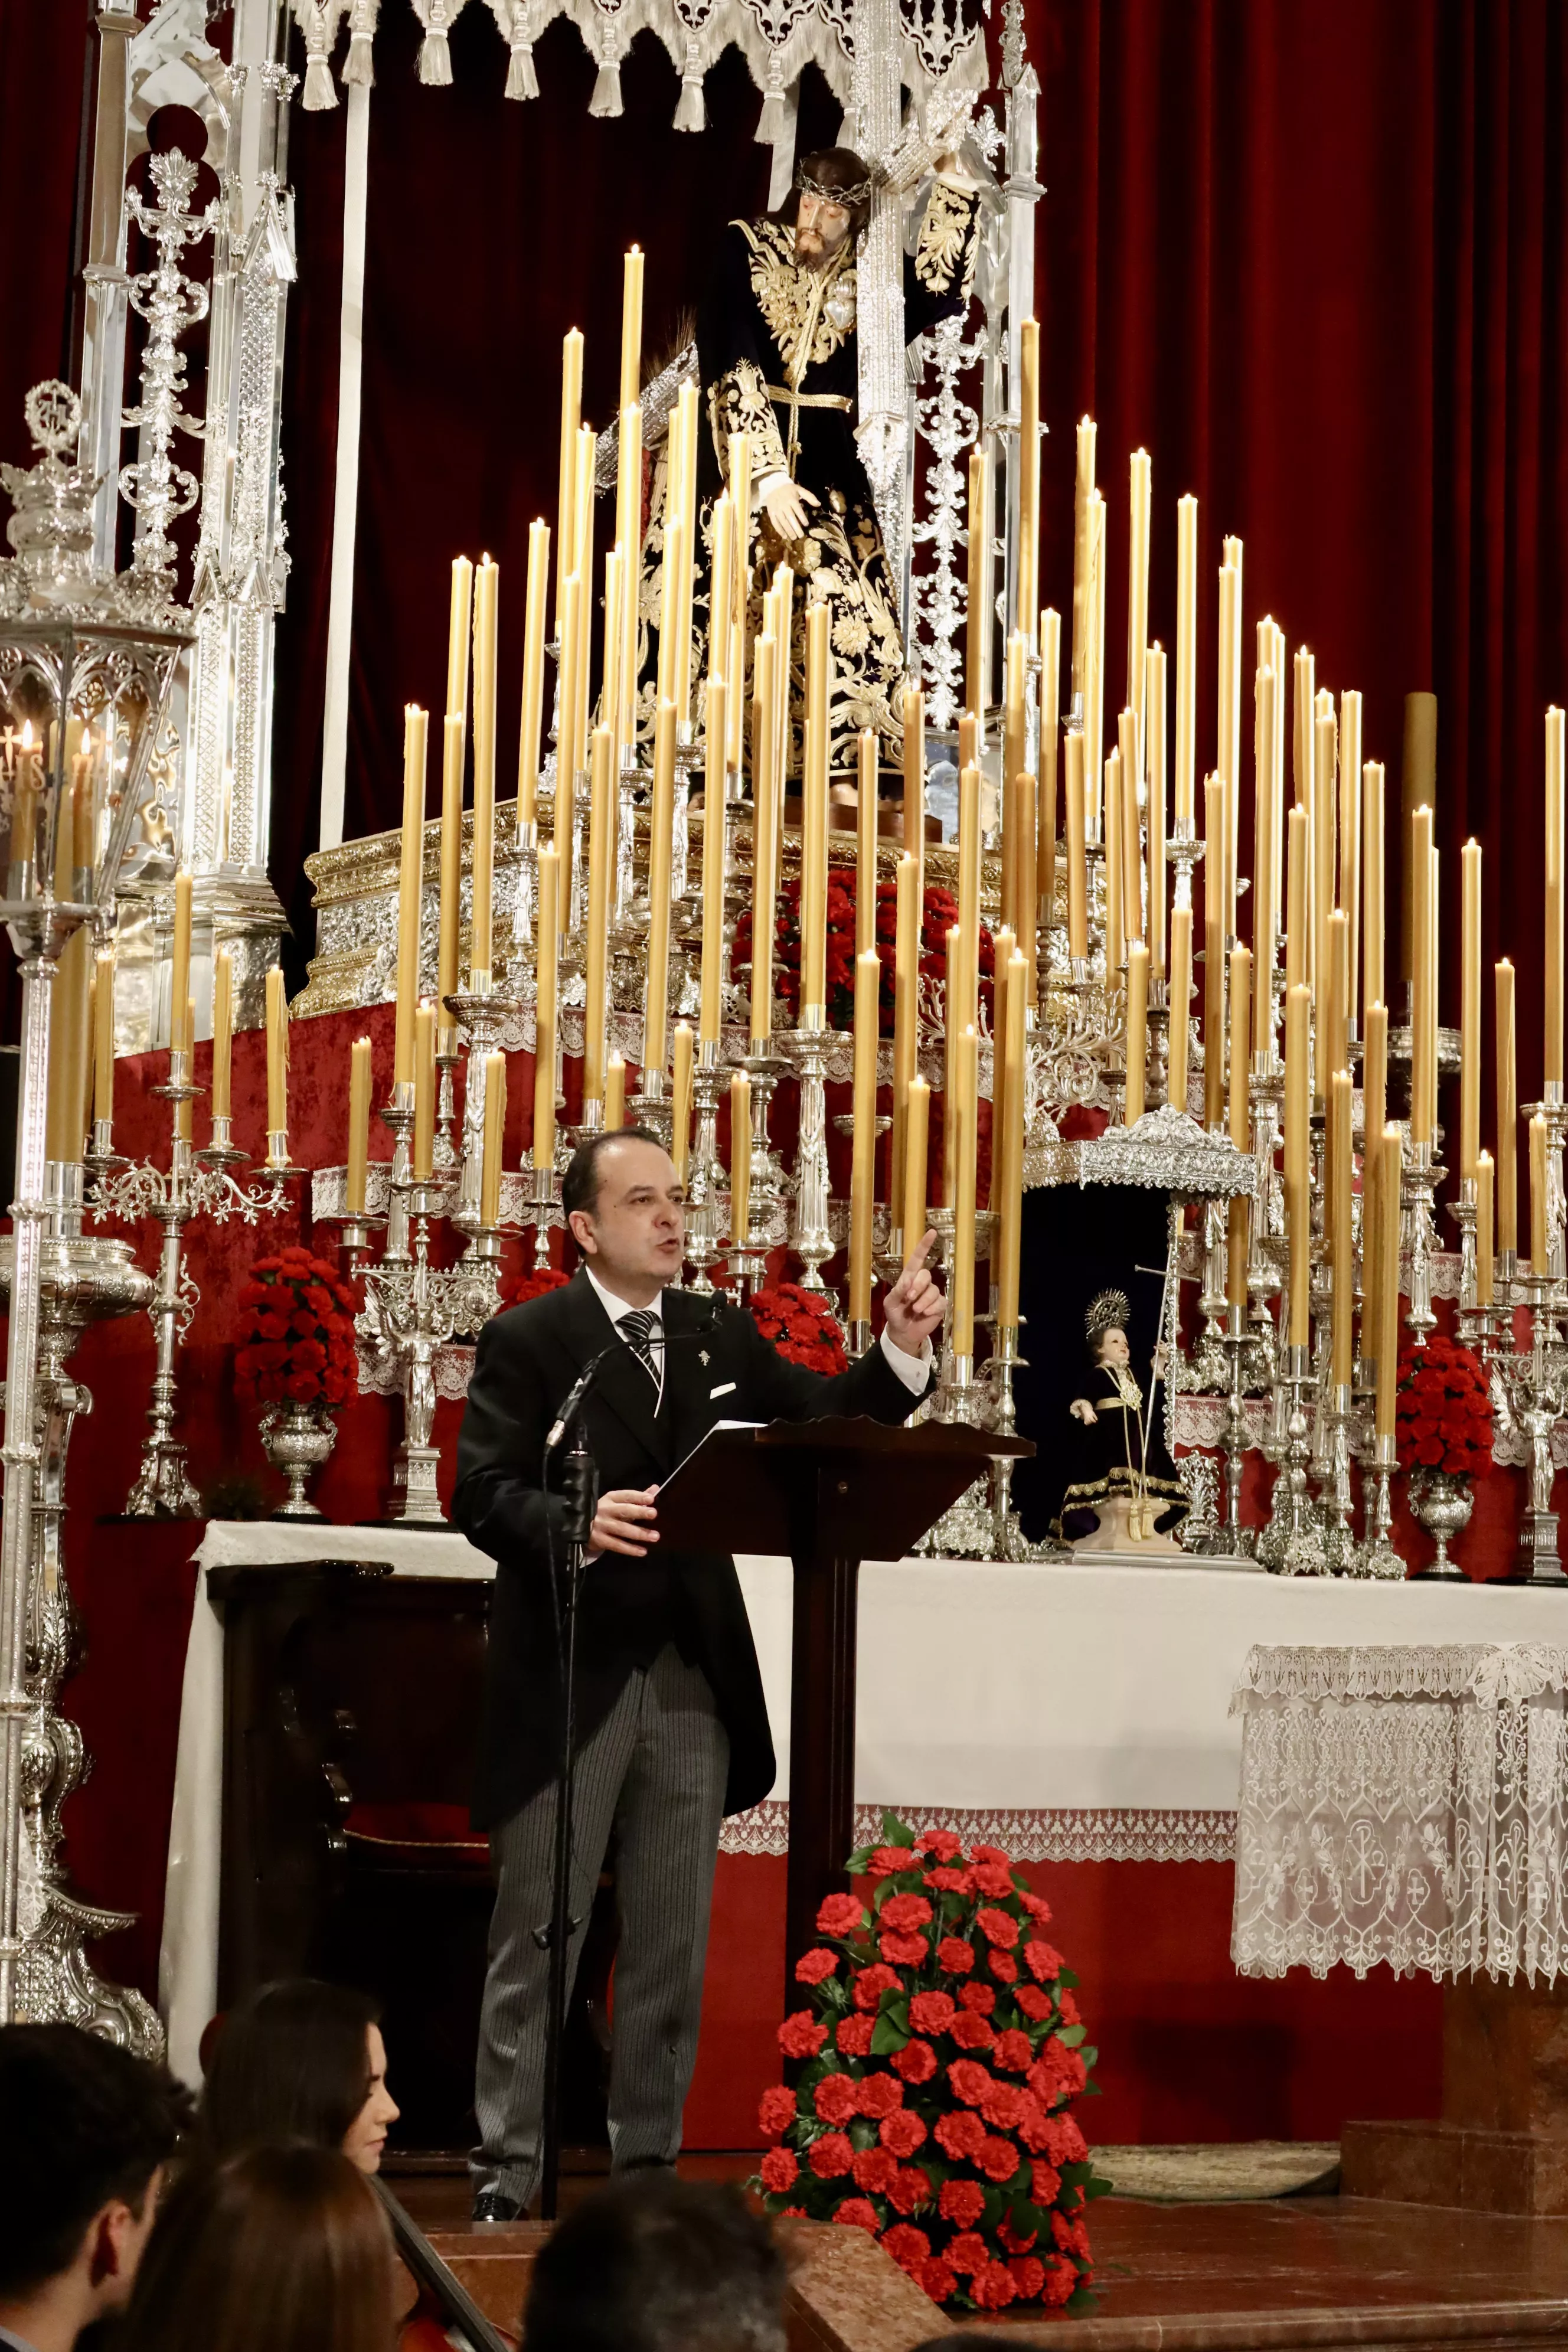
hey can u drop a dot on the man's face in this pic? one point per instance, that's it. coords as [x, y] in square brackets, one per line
[820, 228]
[634, 1233]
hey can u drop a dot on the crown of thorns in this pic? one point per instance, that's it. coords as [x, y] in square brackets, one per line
[1107, 1312]
[860, 194]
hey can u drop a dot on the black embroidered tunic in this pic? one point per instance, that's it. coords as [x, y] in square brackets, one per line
[1106, 1458]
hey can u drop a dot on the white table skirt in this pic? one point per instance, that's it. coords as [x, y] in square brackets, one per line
[1073, 1713]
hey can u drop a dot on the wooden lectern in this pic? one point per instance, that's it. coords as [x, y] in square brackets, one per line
[827, 1493]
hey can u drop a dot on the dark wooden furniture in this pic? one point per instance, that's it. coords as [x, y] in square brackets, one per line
[828, 1494]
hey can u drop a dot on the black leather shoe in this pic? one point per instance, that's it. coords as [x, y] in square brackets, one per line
[494, 2205]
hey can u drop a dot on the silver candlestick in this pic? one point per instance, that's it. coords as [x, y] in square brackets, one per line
[481, 1014]
[811, 1237]
[706, 1184]
[1375, 1555]
[1291, 1544]
[1421, 1174]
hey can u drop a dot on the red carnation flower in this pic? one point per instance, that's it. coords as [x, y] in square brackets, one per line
[1013, 2052]
[997, 2158]
[938, 2279]
[878, 2096]
[1035, 2004]
[852, 2036]
[990, 1878]
[993, 2287]
[905, 1913]
[931, 2012]
[857, 2213]
[999, 1928]
[1057, 2073]
[942, 1843]
[1066, 2144]
[967, 2251]
[800, 2035]
[1002, 2105]
[835, 2098]
[980, 1997]
[777, 2111]
[830, 2157]
[962, 2201]
[1027, 2273]
[902, 2132]
[1042, 1961]
[1004, 1968]
[969, 2081]
[1067, 2004]
[869, 1985]
[1035, 1905]
[960, 2135]
[948, 1881]
[911, 2190]
[812, 1966]
[780, 2170]
[954, 1957]
[971, 2032]
[1061, 2279]
[903, 1951]
[1014, 2241]
[910, 2247]
[887, 1861]
[915, 2062]
[1045, 2183]
[875, 2170]
[1034, 2126]
[990, 1853]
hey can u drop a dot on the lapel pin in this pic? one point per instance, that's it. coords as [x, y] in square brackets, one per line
[702, 1355]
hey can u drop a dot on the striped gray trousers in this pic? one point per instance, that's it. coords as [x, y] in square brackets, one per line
[653, 1773]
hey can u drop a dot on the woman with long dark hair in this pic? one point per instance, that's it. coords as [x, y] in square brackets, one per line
[299, 2059]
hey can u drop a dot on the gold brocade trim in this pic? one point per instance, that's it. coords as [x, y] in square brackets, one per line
[1129, 1484]
[739, 403]
[946, 250]
[810, 313]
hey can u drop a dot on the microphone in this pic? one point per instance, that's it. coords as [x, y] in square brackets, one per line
[573, 1401]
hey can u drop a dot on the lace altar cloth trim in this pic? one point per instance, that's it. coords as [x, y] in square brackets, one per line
[1049, 1835]
[1403, 1805]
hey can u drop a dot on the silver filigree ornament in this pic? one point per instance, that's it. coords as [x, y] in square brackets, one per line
[157, 489]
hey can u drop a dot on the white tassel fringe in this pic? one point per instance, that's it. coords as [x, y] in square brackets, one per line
[521, 80]
[434, 61]
[320, 95]
[690, 113]
[606, 98]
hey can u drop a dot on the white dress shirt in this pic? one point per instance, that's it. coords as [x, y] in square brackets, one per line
[911, 1370]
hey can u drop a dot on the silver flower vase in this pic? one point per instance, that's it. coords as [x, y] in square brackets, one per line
[297, 1438]
[1442, 1501]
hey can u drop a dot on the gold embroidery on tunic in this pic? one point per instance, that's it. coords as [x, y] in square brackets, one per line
[945, 241]
[809, 312]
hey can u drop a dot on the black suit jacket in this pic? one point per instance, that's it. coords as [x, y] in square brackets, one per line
[527, 1360]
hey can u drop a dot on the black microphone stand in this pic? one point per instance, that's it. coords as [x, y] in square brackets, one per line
[580, 1482]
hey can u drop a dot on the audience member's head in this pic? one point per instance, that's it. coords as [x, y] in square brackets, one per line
[85, 2132]
[656, 2264]
[275, 2248]
[299, 2059]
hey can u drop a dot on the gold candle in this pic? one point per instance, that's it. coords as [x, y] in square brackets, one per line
[734, 669]
[1115, 871]
[71, 1033]
[451, 899]
[1137, 1031]
[1094, 701]
[866, 844]
[714, 830]
[631, 325]
[1028, 594]
[1469, 1008]
[1350, 834]
[1341, 1244]
[566, 494]
[600, 876]
[223, 1028]
[1005, 947]
[1417, 788]
[481, 859]
[863, 1167]
[1265, 882]
[670, 593]
[103, 1037]
[1140, 491]
[740, 1158]
[1298, 1131]
[566, 754]
[1539, 1184]
[906, 971]
[1013, 758]
[977, 640]
[544, 1016]
[1333, 1027]
[1240, 1124]
[587, 449]
[814, 823]
[1423, 981]
[490, 1148]
[180, 1038]
[1388, 1281]
[1373, 987]
[1507, 1110]
[1325, 796]
[970, 852]
[1295, 899]
[680, 1098]
[1227, 743]
[1083, 554]
[1181, 994]
[951, 1029]
[1078, 878]
[1213, 952]
[1010, 1199]
[1375, 1074]
[660, 860]
[765, 845]
[915, 780]
[916, 1137]
[459, 622]
[1486, 1271]
[966, 1139]
[615, 1094]
[1154, 789]
[1186, 661]
[532, 716]
[1050, 732]
[609, 713]
[685, 572]
[424, 1091]
[78, 1095]
[358, 1154]
[1131, 848]
[1551, 1040]
[276, 1055]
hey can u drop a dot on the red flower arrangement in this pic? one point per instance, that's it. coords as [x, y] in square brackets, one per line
[297, 1344]
[1444, 1413]
[801, 1323]
[932, 2075]
[938, 915]
[517, 1289]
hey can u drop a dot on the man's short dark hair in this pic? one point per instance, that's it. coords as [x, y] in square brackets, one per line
[580, 1185]
[653, 2263]
[82, 2123]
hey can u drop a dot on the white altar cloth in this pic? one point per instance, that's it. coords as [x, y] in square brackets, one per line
[1074, 1713]
[1404, 1804]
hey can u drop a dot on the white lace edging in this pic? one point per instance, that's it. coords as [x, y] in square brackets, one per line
[1493, 1673]
[1049, 1833]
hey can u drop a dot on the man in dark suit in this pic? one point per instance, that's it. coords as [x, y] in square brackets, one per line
[671, 1727]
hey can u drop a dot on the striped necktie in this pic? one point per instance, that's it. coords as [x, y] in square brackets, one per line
[638, 1330]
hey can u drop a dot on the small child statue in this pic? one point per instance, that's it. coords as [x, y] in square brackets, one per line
[1122, 1471]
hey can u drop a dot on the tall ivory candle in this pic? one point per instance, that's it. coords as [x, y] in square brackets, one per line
[276, 1061]
[547, 954]
[1050, 736]
[1077, 875]
[1298, 1131]
[1181, 993]
[566, 495]
[814, 823]
[1240, 1124]
[660, 860]
[1010, 1206]
[765, 845]
[481, 859]
[740, 1159]
[1388, 1281]
[866, 844]
[1213, 952]
[917, 1140]
[358, 1154]
[1486, 1261]
[1507, 1110]
[963, 1309]
[863, 1168]
[1469, 1008]
[490, 1144]
[1154, 799]
[615, 1093]
[1342, 1242]
[914, 780]
[1082, 555]
[1268, 814]
[1349, 835]
[459, 622]
[1186, 662]
[680, 1098]
[1552, 1039]
[180, 1038]
[223, 1029]
[1137, 1031]
[421, 1159]
[715, 827]
[103, 1037]
[1373, 991]
[601, 876]
[449, 911]
[1424, 980]
[905, 974]
[977, 639]
[1140, 491]
[631, 325]
[565, 780]
[530, 717]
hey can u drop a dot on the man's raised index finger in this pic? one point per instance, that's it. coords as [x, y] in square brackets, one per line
[917, 1261]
